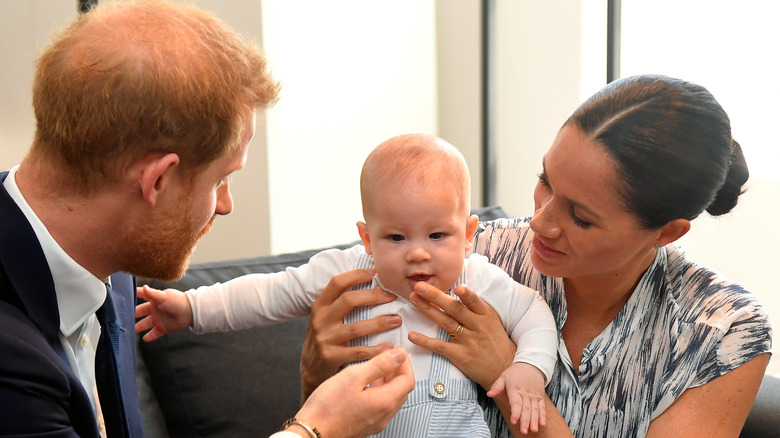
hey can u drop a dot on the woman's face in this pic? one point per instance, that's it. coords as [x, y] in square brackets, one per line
[581, 225]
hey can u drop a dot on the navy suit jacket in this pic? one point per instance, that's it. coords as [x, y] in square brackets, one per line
[39, 394]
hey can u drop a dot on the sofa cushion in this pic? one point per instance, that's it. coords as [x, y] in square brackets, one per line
[236, 384]
[764, 418]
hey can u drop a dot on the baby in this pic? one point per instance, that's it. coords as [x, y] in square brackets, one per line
[415, 191]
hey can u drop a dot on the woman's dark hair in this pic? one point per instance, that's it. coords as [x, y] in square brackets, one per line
[672, 143]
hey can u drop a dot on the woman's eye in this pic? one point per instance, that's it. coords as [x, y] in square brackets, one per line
[436, 236]
[396, 237]
[580, 222]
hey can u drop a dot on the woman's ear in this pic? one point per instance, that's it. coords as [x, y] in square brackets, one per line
[471, 228]
[672, 231]
[363, 231]
[155, 176]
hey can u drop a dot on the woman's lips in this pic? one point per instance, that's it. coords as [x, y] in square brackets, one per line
[545, 251]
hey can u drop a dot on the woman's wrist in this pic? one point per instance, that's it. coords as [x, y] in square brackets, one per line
[504, 356]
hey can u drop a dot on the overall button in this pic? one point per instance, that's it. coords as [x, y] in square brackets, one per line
[439, 388]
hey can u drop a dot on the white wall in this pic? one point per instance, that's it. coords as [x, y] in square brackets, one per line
[459, 83]
[539, 84]
[24, 28]
[354, 73]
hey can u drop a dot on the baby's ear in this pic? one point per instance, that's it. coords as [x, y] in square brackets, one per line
[363, 231]
[471, 228]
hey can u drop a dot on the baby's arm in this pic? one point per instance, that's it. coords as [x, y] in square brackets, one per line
[524, 386]
[531, 326]
[164, 311]
[261, 299]
[524, 381]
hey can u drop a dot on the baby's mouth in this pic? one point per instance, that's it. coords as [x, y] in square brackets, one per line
[421, 277]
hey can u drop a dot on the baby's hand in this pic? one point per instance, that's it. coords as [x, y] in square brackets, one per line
[165, 311]
[524, 386]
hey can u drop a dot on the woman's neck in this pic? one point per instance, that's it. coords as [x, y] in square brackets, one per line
[605, 293]
[593, 303]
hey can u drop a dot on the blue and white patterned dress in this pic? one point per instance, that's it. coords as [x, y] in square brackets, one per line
[682, 327]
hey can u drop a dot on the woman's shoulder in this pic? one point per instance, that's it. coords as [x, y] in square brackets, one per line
[708, 297]
[505, 223]
[504, 231]
[735, 322]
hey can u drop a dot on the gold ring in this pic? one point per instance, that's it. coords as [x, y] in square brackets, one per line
[457, 331]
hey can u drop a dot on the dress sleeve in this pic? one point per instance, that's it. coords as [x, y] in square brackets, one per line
[748, 334]
[737, 321]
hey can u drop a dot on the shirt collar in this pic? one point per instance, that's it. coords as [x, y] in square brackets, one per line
[79, 293]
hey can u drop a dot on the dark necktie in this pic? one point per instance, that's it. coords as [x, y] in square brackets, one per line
[107, 370]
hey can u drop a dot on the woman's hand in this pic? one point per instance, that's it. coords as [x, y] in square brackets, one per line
[481, 334]
[325, 350]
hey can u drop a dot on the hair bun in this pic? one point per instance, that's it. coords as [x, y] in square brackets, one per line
[726, 198]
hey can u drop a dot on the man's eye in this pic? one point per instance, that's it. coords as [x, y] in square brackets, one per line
[436, 236]
[396, 237]
[543, 179]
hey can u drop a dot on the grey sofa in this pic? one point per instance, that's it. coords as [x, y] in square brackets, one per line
[246, 384]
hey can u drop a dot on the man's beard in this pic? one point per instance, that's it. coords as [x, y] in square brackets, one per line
[161, 250]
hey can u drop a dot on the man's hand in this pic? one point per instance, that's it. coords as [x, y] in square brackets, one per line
[325, 350]
[361, 399]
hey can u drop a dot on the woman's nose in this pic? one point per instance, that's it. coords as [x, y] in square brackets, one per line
[545, 220]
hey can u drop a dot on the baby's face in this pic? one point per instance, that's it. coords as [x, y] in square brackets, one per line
[419, 236]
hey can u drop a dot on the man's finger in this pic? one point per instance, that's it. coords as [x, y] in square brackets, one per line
[384, 364]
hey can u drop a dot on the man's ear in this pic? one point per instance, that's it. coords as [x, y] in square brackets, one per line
[672, 231]
[156, 173]
[471, 228]
[363, 231]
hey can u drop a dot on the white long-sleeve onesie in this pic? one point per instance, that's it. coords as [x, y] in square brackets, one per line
[255, 300]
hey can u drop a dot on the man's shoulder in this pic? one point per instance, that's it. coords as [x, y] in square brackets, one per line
[21, 339]
[14, 322]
